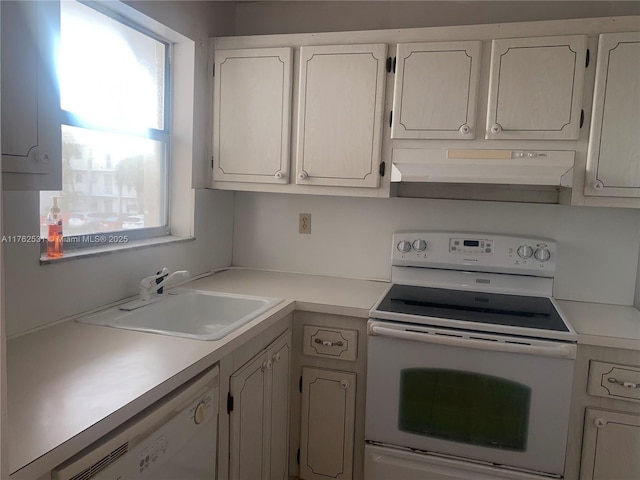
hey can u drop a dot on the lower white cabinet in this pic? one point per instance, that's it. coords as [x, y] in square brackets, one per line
[327, 424]
[610, 446]
[258, 402]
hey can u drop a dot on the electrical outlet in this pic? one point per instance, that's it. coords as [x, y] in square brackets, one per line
[304, 225]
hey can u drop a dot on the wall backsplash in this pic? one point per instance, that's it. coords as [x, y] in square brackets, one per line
[598, 248]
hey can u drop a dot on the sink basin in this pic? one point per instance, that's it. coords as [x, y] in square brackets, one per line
[188, 313]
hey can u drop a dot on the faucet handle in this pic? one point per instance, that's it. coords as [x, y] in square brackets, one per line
[147, 282]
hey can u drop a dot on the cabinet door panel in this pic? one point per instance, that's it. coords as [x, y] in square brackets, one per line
[280, 355]
[340, 110]
[248, 388]
[535, 88]
[328, 409]
[610, 447]
[252, 115]
[31, 137]
[435, 93]
[613, 159]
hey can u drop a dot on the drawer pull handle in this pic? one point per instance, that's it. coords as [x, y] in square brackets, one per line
[329, 343]
[623, 383]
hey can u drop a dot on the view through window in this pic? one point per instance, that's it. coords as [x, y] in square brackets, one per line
[113, 95]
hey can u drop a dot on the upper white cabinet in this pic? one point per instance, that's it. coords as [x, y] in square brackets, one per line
[613, 161]
[340, 110]
[252, 115]
[31, 138]
[535, 88]
[435, 92]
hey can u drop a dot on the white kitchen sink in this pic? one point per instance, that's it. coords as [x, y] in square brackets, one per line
[187, 313]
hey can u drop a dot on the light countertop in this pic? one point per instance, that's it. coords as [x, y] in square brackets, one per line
[615, 326]
[72, 383]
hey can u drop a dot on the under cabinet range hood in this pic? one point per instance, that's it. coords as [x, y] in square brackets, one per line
[503, 175]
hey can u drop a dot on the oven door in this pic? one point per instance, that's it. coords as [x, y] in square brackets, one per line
[487, 397]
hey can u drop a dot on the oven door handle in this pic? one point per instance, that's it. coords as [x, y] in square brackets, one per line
[561, 351]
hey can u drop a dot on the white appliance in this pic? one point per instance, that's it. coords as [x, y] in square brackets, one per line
[500, 167]
[470, 361]
[176, 438]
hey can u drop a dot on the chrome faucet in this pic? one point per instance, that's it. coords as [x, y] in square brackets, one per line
[149, 286]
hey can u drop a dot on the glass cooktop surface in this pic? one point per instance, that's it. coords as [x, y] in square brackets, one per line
[479, 307]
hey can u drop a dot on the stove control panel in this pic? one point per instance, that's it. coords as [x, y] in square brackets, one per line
[475, 252]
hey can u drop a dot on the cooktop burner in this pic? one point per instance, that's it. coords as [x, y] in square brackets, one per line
[478, 307]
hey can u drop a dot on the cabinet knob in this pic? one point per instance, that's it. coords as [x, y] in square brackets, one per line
[600, 422]
[496, 128]
[278, 175]
[40, 157]
[598, 185]
[303, 175]
[275, 357]
[263, 367]
[465, 129]
[344, 384]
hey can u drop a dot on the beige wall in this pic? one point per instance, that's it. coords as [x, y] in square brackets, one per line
[301, 17]
[351, 237]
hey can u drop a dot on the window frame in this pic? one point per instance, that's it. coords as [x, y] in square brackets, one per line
[121, 237]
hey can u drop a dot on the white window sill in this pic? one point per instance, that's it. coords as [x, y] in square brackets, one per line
[110, 249]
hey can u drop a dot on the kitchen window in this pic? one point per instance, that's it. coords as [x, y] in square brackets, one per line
[114, 97]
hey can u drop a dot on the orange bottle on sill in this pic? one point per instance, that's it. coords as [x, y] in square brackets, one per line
[54, 231]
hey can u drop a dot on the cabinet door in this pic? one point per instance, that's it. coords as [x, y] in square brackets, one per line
[252, 115]
[340, 109]
[327, 427]
[610, 446]
[31, 138]
[535, 88]
[435, 90]
[248, 423]
[280, 356]
[613, 159]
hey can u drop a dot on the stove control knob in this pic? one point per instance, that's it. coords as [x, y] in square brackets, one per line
[542, 254]
[525, 251]
[419, 245]
[404, 246]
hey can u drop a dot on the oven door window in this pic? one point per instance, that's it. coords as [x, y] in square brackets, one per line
[464, 407]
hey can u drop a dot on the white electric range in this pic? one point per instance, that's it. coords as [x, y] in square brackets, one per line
[470, 361]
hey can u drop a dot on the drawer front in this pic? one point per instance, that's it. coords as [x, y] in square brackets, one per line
[614, 381]
[326, 342]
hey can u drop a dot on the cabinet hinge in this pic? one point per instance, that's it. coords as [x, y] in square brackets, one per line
[581, 118]
[211, 162]
[300, 384]
[213, 73]
[298, 456]
[391, 64]
[382, 168]
[586, 63]
[394, 64]
[229, 403]
[390, 118]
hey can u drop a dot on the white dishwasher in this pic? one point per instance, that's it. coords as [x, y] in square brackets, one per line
[174, 439]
